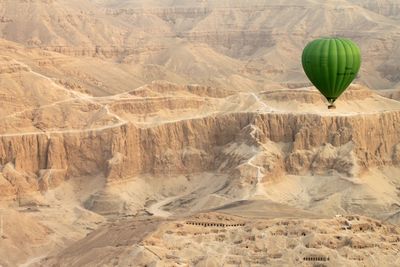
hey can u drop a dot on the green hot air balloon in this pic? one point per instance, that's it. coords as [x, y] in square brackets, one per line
[331, 64]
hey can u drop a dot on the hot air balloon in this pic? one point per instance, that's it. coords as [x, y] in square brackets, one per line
[331, 64]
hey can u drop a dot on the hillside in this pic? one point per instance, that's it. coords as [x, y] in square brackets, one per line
[132, 128]
[231, 44]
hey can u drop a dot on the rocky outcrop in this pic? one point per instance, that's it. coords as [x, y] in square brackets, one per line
[98, 51]
[313, 143]
[179, 147]
[372, 138]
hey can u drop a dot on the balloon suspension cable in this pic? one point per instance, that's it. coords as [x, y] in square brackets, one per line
[331, 105]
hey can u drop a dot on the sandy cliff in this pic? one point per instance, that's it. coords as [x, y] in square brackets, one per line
[283, 143]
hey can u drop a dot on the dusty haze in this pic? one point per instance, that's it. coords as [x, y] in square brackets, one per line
[185, 133]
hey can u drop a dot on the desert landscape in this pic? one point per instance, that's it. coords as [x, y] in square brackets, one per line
[186, 133]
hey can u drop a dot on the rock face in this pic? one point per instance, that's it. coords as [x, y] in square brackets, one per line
[169, 130]
[328, 134]
[348, 144]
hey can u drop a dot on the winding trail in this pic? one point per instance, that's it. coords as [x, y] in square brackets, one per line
[156, 208]
[258, 100]
[74, 95]
[259, 190]
[118, 121]
[72, 131]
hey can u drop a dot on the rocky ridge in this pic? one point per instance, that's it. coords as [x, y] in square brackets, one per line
[283, 143]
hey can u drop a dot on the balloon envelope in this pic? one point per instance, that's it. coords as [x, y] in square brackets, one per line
[331, 64]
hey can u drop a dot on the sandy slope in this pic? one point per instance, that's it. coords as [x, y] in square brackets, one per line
[224, 43]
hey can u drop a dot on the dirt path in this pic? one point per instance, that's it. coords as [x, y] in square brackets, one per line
[156, 208]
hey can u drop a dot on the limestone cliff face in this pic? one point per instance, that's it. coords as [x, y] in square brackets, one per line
[179, 147]
[27, 152]
[373, 138]
[311, 143]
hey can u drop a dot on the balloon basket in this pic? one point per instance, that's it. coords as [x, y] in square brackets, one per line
[332, 106]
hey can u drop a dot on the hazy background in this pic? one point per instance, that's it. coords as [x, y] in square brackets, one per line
[243, 45]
